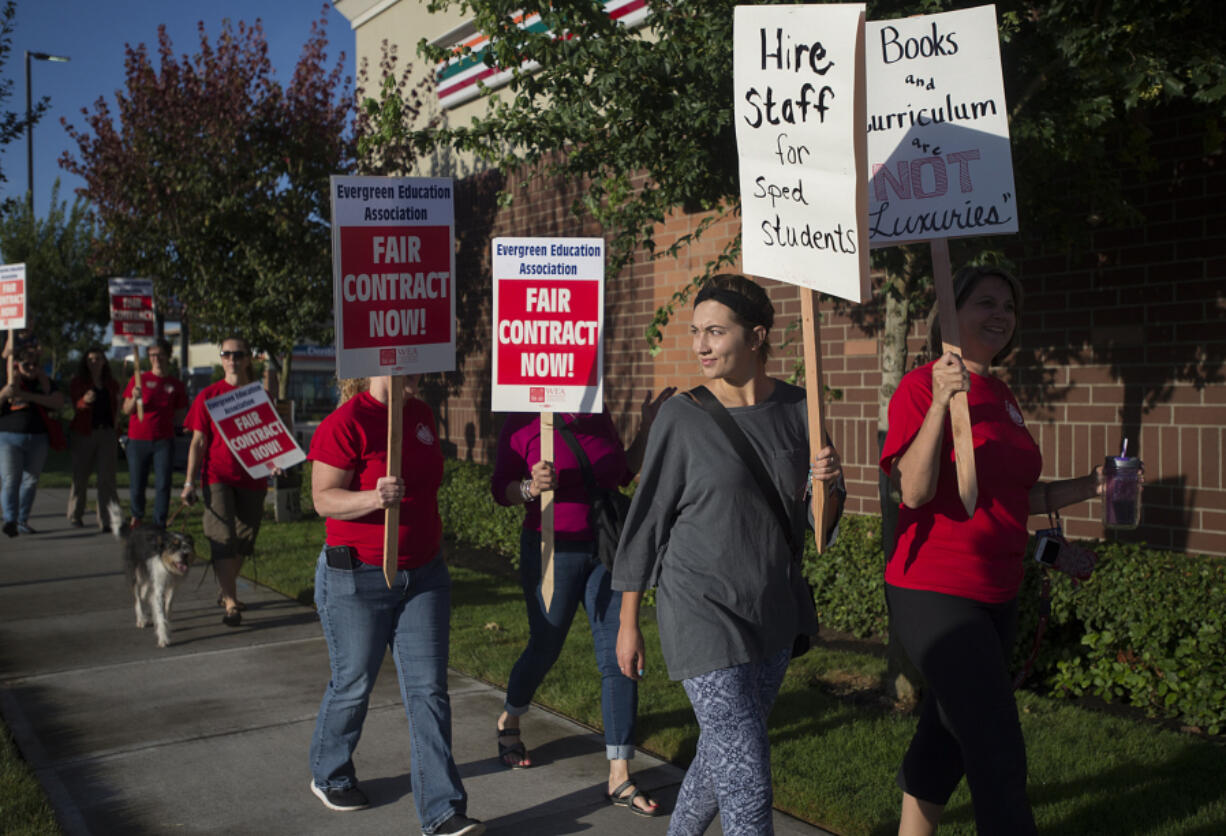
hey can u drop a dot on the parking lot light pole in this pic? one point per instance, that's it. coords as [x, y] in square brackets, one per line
[39, 56]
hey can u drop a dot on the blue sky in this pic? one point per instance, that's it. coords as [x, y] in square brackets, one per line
[93, 34]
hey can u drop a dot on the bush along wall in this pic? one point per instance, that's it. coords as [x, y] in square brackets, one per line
[1146, 630]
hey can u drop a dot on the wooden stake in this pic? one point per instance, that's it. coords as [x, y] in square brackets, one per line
[136, 390]
[959, 408]
[9, 361]
[815, 400]
[547, 542]
[395, 434]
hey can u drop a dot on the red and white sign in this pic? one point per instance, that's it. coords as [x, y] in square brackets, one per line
[548, 316]
[254, 431]
[393, 257]
[12, 297]
[132, 318]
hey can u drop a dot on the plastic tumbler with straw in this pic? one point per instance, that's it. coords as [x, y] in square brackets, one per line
[1122, 491]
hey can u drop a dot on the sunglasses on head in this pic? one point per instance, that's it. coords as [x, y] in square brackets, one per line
[237, 355]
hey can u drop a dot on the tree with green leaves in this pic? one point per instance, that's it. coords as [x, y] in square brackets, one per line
[13, 125]
[68, 302]
[212, 177]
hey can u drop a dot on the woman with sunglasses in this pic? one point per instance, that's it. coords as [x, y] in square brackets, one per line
[151, 439]
[26, 433]
[233, 500]
[95, 397]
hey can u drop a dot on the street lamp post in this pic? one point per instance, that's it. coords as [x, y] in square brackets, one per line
[40, 56]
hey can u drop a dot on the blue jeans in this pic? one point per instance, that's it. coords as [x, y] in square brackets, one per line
[578, 576]
[22, 456]
[361, 619]
[141, 454]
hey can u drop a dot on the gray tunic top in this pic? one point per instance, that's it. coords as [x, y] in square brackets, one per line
[700, 530]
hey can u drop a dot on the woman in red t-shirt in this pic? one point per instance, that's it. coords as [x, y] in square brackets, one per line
[151, 439]
[952, 580]
[234, 501]
[362, 616]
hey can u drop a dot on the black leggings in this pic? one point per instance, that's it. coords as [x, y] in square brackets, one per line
[968, 721]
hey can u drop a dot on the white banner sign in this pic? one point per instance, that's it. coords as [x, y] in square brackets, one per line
[938, 129]
[12, 297]
[548, 315]
[798, 85]
[393, 256]
[254, 431]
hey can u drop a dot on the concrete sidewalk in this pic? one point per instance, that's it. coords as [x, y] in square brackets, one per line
[211, 734]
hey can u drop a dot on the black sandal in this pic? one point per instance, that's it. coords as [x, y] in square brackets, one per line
[517, 749]
[618, 800]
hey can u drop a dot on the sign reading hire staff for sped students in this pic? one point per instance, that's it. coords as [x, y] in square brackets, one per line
[254, 431]
[12, 296]
[132, 318]
[798, 83]
[393, 255]
[938, 129]
[548, 310]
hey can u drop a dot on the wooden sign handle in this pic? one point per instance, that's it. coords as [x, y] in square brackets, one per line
[815, 400]
[395, 439]
[10, 362]
[136, 390]
[959, 408]
[547, 539]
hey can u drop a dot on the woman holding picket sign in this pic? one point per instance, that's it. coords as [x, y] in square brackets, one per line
[717, 527]
[590, 458]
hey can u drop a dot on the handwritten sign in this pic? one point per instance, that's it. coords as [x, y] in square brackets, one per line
[132, 315]
[12, 296]
[254, 431]
[798, 106]
[938, 129]
[393, 252]
[548, 315]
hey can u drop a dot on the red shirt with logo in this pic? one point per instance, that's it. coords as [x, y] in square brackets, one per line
[354, 438]
[939, 548]
[162, 397]
[220, 465]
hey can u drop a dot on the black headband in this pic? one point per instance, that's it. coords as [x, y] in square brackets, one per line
[741, 305]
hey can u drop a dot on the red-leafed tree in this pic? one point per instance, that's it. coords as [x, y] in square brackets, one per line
[210, 176]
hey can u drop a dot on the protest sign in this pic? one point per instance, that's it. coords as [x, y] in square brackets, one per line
[132, 316]
[548, 315]
[798, 107]
[938, 129]
[254, 431]
[12, 297]
[393, 254]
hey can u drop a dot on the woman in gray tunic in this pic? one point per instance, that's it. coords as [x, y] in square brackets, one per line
[703, 533]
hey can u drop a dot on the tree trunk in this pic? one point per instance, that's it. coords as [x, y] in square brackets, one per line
[287, 361]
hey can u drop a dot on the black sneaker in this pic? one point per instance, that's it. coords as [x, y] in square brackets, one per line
[10, 528]
[458, 825]
[343, 800]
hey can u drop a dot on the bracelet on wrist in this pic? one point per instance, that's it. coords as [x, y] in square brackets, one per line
[525, 490]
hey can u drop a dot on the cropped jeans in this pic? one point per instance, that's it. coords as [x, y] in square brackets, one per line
[578, 577]
[141, 454]
[22, 456]
[361, 620]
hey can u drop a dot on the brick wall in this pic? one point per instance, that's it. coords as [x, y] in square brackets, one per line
[1126, 338]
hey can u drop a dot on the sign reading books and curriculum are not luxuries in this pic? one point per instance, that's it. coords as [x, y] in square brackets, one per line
[938, 129]
[548, 310]
[254, 431]
[12, 296]
[393, 255]
[132, 317]
[799, 104]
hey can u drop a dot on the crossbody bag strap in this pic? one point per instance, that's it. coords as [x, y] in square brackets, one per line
[740, 443]
[585, 464]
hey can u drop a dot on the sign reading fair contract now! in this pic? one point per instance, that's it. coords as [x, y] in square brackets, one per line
[132, 317]
[253, 430]
[12, 296]
[548, 310]
[393, 256]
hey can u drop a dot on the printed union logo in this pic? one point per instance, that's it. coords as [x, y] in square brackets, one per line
[424, 435]
[1015, 415]
[387, 357]
[536, 394]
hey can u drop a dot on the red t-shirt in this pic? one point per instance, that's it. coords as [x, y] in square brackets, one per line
[939, 549]
[354, 438]
[219, 465]
[163, 397]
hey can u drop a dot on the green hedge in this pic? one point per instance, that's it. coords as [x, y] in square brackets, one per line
[1147, 630]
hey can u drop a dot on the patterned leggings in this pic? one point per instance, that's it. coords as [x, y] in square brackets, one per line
[731, 772]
